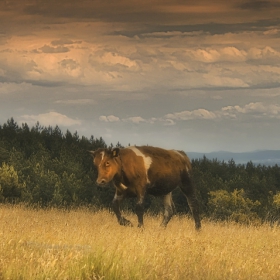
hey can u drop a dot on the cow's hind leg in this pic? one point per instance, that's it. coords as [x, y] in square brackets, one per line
[140, 210]
[188, 190]
[168, 209]
[116, 207]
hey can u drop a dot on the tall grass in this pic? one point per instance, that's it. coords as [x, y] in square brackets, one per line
[83, 244]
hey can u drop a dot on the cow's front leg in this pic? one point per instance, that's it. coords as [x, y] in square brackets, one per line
[140, 209]
[116, 207]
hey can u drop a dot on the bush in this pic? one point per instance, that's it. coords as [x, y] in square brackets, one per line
[276, 201]
[10, 188]
[274, 213]
[234, 206]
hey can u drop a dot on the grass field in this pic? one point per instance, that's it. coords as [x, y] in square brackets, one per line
[83, 244]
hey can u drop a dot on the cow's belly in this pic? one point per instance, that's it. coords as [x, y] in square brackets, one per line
[161, 187]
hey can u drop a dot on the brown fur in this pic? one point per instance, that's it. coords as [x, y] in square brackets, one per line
[137, 171]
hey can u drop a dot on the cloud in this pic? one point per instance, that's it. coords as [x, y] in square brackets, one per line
[71, 64]
[136, 64]
[60, 42]
[233, 54]
[237, 112]
[110, 118]
[136, 120]
[265, 56]
[257, 109]
[190, 115]
[168, 122]
[258, 5]
[112, 61]
[51, 118]
[11, 88]
[49, 49]
[253, 109]
[127, 10]
[83, 101]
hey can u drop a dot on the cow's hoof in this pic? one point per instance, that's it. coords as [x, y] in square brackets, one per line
[141, 227]
[198, 227]
[125, 222]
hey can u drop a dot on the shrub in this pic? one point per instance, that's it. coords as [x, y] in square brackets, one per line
[10, 188]
[234, 206]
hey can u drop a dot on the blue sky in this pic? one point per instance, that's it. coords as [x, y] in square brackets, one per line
[199, 76]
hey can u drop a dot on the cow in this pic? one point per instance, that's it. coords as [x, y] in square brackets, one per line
[136, 171]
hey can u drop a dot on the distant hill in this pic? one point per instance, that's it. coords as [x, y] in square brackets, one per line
[263, 157]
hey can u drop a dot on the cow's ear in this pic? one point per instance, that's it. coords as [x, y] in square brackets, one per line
[92, 153]
[115, 152]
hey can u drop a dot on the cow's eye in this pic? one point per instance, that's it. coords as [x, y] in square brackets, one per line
[107, 163]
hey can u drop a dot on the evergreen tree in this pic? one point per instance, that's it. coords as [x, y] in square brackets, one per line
[44, 165]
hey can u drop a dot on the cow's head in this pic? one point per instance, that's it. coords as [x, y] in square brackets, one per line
[106, 164]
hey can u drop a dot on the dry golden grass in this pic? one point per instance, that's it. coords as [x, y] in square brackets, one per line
[82, 244]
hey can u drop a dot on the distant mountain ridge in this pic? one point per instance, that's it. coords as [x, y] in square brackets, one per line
[263, 157]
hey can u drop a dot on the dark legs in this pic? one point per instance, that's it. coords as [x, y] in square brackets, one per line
[188, 191]
[168, 209]
[186, 188]
[116, 207]
[193, 204]
[140, 210]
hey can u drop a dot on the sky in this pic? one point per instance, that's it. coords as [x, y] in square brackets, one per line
[199, 75]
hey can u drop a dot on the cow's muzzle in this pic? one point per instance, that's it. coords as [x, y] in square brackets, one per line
[101, 182]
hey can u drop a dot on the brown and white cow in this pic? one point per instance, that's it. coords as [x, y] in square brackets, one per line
[137, 171]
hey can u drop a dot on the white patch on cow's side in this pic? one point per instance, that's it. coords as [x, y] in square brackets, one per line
[147, 160]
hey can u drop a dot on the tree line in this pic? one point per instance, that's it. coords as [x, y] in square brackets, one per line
[43, 166]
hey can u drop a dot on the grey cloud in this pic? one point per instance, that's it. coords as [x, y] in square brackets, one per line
[258, 56]
[118, 11]
[154, 16]
[49, 49]
[257, 5]
[212, 28]
[13, 76]
[64, 42]
[112, 61]
[265, 56]
[69, 63]
[149, 72]
[45, 83]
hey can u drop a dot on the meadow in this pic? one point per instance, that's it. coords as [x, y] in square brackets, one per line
[88, 244]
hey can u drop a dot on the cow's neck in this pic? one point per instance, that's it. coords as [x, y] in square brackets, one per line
[121, 177]
[122, 171]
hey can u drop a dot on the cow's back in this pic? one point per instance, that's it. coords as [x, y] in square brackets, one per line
[160, 168]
